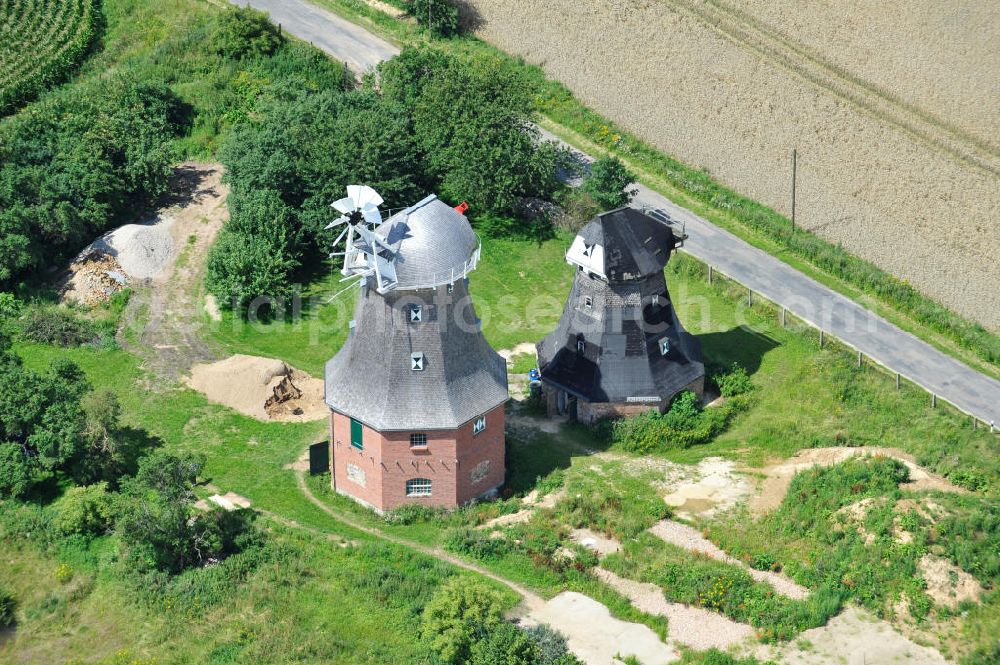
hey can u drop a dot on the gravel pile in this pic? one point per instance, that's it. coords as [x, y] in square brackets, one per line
[142, 250]
[691, 626]
[689, 539]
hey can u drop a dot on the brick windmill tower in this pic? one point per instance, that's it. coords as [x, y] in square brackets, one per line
[619, 348]
[416, 393]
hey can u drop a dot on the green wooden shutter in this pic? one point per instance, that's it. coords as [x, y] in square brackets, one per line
[357, 430]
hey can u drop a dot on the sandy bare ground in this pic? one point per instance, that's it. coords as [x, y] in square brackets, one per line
[712, 486]
[879, 171]
[778, 476]
[249, 384]
[165, 316]
[595, 636]
[854, 637]
[690, 539]
[691, 626]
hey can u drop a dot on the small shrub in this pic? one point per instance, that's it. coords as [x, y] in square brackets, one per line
[504, 644]
[440, 16]
[462, 609]
[59, 327]
[734, 382]
[7, 607]
[413, 514]
[84, 510]
[608, 183]
[551, 643]
[475, 543]
[245, 33]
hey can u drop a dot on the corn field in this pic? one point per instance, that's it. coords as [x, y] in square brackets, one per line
[40, 41]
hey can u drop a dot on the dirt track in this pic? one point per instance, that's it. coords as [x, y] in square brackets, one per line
[165, 314]
[915, 192]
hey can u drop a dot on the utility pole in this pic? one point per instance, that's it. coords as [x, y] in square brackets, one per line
[794, 169]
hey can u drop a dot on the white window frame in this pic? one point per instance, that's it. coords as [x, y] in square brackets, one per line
[417, 361]
[581, 344]
[419, 487]
[588, 302]
[451, 288]
[415, 440]
[479, 425]
[416, 313]
[664, 346]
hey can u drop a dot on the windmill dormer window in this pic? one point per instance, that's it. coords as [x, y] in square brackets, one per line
[664, 346]
[479, 425]
[581, 344]
[451, 288]
[417, 361]
[416, 313]
[588, 302]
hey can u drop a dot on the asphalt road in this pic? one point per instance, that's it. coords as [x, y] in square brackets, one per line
[939, 373]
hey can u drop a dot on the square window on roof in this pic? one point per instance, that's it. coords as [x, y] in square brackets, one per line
[416, 313]
[417, 361]
[664, 346]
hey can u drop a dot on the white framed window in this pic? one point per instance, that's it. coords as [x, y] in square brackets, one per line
[588, 302]
[581, 344]
[451, 288]
[418, 487]
[417, 361]
[418, 441]
[664, 346]
[416, 313]
[479, 425]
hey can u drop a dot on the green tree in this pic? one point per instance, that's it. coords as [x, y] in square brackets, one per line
[243, 32]
[461, 611]
[608, 183]
[440, 16]
[473, 118]
[154, 513]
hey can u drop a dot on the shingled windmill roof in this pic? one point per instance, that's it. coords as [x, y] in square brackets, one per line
[433, 244]
[619, 339]
[622, 245]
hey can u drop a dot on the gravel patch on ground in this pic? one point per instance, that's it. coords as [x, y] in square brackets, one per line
[263, 388]
[713, 486]
[882, 177]
[778, 476]
[691, 626]
[595, 636]
[143, 250]
[691, 540]
[853, 637]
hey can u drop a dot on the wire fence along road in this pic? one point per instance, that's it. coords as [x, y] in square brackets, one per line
[941, 375]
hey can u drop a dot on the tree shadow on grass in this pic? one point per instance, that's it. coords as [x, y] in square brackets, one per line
[741, 345]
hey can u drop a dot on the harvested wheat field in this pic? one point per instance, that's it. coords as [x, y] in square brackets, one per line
[262, 388]
[902, 170]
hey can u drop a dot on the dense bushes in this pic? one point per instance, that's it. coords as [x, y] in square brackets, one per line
[84, 510]
[57, 326]
[73, 164]
[242, 32]
[464, 625]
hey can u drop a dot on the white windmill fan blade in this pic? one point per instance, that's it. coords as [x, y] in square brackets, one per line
[345, 205]
[363, 194]
[337, 222]
[340, 237]
[372, 215]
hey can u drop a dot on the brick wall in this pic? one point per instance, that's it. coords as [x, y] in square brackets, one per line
[449, 461]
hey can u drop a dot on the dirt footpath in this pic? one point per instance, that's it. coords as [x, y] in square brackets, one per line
[165, 316]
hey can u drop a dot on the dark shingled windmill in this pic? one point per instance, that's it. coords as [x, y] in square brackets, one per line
[619, 348]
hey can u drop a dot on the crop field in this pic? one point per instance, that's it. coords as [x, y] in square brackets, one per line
[882, 169]
[40, 41]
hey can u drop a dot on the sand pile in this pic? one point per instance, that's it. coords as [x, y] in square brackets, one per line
[142, 250]
[262, 388]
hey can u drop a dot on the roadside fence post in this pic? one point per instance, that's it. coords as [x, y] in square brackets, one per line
[782, 317]
[821, 338]
[749, 297]
[897, 380]
[933, 400]
[860, 359]
[710, 275]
